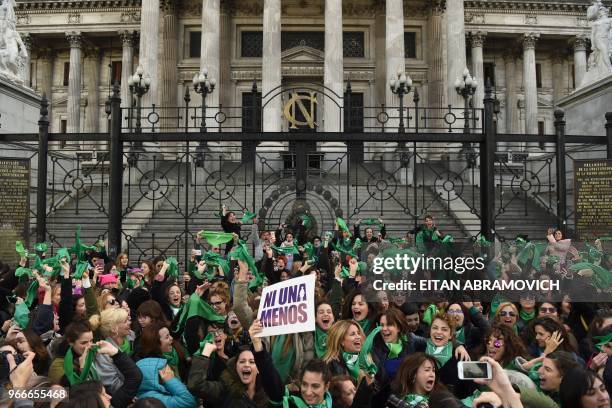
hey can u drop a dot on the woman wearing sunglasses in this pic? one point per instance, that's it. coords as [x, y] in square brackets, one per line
[507, 313]
[504, 346]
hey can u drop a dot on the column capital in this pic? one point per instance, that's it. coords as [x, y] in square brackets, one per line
[529, 40]
[437, 7]
[579, 42]
[75, 39]
[128, 37]
[477, 38]
[169, 6]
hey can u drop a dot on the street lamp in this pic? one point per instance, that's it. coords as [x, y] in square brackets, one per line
[139, 84]
[204, 86]
[401, 86]
[466, 87]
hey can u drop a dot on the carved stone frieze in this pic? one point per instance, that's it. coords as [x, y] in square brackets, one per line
[74, 18]
[130, 17]
[23, 19]
[474, 18]
[531, 19]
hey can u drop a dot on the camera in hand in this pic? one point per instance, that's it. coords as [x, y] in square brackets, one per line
[395, 402]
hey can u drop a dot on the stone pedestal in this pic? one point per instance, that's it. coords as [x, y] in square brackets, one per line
[19, 107]
[586, 107]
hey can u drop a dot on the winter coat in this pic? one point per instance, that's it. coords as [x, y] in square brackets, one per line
[172, 393]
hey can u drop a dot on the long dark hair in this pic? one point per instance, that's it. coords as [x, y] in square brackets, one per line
[551, 326]
[403, 383]
[576, 383]
[85, 395]
[347, 312]
[513, 345]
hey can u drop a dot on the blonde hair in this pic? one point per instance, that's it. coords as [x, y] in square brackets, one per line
[103, 298]
[110, 319]
[496, 317]
[335, 336]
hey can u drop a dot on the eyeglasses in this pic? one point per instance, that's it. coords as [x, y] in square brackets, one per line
[458, 312]
[217, 303]
[506, 314]
[548, 309]
[497, 343]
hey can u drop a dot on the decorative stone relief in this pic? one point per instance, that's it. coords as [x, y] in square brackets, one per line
[582, 22]
[474, 18]
[130, 17]
[531, 19]
[23, 19]
[350, 9]
[74, 18]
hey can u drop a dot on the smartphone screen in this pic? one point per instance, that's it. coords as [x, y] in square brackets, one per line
[100, 263]
[470, 370]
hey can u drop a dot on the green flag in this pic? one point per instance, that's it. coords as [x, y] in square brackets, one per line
[79, 248]
[247, 216]
[22, 315]
[196, 306]
[241, 253]
[342, 225]
[216, 238]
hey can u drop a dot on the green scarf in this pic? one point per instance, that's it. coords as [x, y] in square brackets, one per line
[395, 349]
[365, 361]
[298, 402]
[173, 360]
[210, 338]
[415, 399]
[351, 361]
[283, 361]
[526, 317]
[87, 373]
[320, 338]
[460, 335]
[126, 347]
[441, 354]
[22, 315]
[365, 325]
[196, 306]
[241, 253]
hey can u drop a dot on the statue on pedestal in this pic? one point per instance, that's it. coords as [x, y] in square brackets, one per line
[13, 52]
[600, 60]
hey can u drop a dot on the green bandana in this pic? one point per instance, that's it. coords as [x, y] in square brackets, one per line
[241, 253]
[395, 349]
[31, 293]
[294, 400]
[306, 220]
[460, 335]
[352, 364]
[196, 306]
[214, 259]
[283, 361]
[370, 221]
[216, 238]
[87, 373]
[348, 250]
[441, 354]
[126, 347]
[365, 325]
[414, 400]
[22, 315]
[320, 338]
[365, 361]
[78, 248]
[247, 216]
[526, 317]
[310, 250]
[342, 225]
[210, 338]
[173, 360]
[286, 250]
[173, 269]
[602, 340]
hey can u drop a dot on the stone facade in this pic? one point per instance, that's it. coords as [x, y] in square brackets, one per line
[535, 52]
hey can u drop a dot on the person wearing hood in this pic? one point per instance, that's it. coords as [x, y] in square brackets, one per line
[159, 381]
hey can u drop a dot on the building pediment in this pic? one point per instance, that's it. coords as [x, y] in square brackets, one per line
[303, 54]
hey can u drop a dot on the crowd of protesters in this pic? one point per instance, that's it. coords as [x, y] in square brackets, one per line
[156, 333]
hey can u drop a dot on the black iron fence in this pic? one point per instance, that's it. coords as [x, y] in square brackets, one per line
[149, 190]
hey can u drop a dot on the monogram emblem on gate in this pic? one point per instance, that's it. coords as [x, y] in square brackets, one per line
[290, 112]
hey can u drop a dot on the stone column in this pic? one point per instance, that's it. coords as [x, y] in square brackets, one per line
[74, 83]
[530, 84]
[394, 52]
[512, 116]
[45, 85]
[579, 44]
[557, 60]
[334, 66]
[224, 82]
[92, 79]
[27, 41]
[436, 89]
[149, 47]
[127, 67]
[477, 39]
[455, 49]
[209, 56]
[168, 75]
[271, 76]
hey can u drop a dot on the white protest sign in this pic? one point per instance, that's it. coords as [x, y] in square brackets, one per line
[288, 307]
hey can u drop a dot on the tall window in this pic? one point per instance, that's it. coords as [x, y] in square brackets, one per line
[541, 128]
[489, 73]
[573, 76]
[539, 75]
[410, 44]
[115, 72]
[251, 112]
[195, 44]
[353, 44]
[66, 73]
[353, 112]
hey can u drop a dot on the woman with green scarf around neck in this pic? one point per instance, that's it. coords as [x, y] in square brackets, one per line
[416, 379]
[527, 311]
[470, 324]
[313, 385]
[356, 308]
[440, 346]
[324, 320]
[507, 313]
[156, 341]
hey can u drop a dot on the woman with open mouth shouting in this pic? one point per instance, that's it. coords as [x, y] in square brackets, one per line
[324, 320]
[314, 379]
[359, 310]
[416, 379]
[441, 345]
